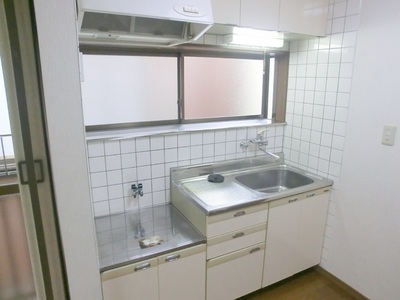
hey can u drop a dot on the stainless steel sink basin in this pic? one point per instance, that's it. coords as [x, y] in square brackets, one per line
[274, 180]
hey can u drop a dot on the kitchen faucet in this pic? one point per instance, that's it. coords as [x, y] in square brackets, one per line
[260, 141]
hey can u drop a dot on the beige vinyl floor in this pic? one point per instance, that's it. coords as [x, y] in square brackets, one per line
[307, 285]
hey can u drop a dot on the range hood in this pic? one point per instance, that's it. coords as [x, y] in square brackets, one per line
[143, 22]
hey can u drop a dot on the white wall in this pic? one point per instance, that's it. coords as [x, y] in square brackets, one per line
[364, 248]
[58, 51]
[335, 120]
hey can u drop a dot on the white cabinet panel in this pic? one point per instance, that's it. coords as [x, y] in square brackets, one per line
[236, 274]
[260, 14]
[295, 235]
[182, 274]
[226, 12]
[304, 16]
[139, 281]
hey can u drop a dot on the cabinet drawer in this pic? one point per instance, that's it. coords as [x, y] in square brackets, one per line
[236, 274]
[299, 197]
[236, 240]
[236, 220]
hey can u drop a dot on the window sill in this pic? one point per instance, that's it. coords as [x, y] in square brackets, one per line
[174, 129]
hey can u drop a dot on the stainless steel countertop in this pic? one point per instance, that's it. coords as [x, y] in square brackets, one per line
[214, 198]
[118, 246]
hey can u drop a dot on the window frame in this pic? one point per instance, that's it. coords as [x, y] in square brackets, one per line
[280, 83]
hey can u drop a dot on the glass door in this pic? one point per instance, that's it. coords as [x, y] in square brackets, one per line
[31, 261]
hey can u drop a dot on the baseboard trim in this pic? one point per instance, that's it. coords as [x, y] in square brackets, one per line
[340, 283]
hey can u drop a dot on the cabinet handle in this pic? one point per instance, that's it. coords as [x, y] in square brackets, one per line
[293, 200]
[172, 257]
[238, 235]
[310, 195]
[142, 267]
[255, 250]
[239, 213]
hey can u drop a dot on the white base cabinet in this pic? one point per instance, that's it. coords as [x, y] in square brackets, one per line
[295, 234]
[177, 275]
[236, 274]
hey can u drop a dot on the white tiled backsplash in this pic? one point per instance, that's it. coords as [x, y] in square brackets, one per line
[114, 165]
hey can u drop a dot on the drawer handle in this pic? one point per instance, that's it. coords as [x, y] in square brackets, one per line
[238, 235]
[172, 257]
[142, 267]
[310, 195]
[239, 213]
[293, 200]
[255, 250]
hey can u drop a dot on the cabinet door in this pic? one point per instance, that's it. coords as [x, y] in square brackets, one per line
[182, 274]
[236, 274]
[311, 230]
[304, 16]
[136, 281]
[281, 243]
[226, 12]
[260, 14]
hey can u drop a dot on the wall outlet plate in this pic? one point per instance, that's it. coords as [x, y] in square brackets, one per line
[388, 135]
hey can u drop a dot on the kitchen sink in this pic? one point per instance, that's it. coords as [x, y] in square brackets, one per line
[274, 180]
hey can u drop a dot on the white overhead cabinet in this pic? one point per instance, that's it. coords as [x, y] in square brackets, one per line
[306, 17]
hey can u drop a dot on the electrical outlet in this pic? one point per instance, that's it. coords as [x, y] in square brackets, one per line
[388, 135]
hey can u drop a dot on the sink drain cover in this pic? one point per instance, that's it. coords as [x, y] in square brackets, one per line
[215, 178]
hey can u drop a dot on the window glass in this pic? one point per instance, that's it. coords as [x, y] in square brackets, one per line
[129, 89]
[222, 87]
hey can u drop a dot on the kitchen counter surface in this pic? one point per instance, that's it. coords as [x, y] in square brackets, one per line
[118, 240]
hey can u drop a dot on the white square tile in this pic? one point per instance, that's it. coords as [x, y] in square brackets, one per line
[95, 148]
[156, 142]
[300, 85]
[115, 191]
[339, 9]
[143, 158]
[347, 55]
[329, 113]
[231, 135]
[292, 71]
[168, 167]
[352, 23]
[99, 194]
[320, 84]
[301, 71]
[333, 70]
[196, 138]
[303, 45]
[196, 152]
[129, 175]
[97, 164]
[171, 155]
[114, 177]
[208, 150]
[112, 147]
[159, 198]
[143, 173]
[343, 99]
[305, 134]
[326, 140]
[184, 140]
[219, 149]
[334, 169]
[113, 162]
[336, 156]
[325, 152]
[338, 142]
[310, 84]
[171, 141]
[183, 153]
[157, 157]
[346, 70]
[230, 147]
[317, 124]
[128, 160]
[323, 165]
[241, 134]
[158, 184]
[350, 39]
[157, 171]
[311, 70]
[318, 111]
[142, 144]
[312, 57]
[208, 137]
[323, 56]
[315, 137]
[117, 206]
[338, 25]
[344, 85]
[335, 55]
[340, 129]
[327, 126]
[304, 147]
[128, 146]
[308, 110]
[353, 7]
[98, 179]
[314, 149]
[101, 208]
[341, 114]
[330, 98]
[220, 136]
[302, 58]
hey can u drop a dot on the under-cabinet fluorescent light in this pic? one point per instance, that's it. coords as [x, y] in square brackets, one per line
[254, 38]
